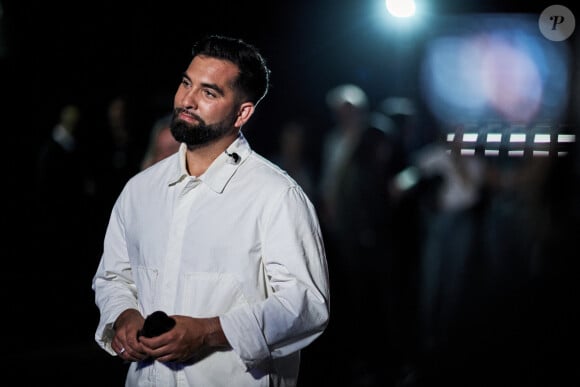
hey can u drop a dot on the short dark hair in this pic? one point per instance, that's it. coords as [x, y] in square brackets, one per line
[254, 77]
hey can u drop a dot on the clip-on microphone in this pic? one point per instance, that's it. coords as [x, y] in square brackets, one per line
[234, 156]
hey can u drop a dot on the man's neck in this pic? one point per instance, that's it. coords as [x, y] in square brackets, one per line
[199, 159]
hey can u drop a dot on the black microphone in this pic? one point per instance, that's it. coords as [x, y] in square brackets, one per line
[234, 156]
[155, 324]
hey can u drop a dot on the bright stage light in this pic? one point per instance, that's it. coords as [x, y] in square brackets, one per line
[401, 8]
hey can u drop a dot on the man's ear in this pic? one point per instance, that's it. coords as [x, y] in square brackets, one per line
[244, 113]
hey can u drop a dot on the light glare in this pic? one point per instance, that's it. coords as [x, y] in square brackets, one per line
[401, 8]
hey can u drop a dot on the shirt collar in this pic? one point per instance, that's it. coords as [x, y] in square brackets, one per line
[221, 169]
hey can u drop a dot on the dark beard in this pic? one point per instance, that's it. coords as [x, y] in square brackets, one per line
[197, 135]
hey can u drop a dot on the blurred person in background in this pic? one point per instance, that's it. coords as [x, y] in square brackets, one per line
[116, 154]
[355, 216]
[161, 142]
[64, 231]
[292, 155]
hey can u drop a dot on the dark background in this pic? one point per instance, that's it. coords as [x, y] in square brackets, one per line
[54, 52]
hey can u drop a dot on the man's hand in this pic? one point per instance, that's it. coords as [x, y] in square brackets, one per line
[190, 337]
[125, 342]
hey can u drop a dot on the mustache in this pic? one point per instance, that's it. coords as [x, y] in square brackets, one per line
[178, 111]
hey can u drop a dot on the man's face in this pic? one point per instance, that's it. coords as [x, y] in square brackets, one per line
[205, 105]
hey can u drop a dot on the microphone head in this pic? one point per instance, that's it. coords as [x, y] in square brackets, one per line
[235, 157]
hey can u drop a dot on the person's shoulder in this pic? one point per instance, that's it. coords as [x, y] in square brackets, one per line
[270, 183]
[269, 171]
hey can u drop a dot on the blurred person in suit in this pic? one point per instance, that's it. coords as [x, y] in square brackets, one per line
[355, 215]
[292, 155]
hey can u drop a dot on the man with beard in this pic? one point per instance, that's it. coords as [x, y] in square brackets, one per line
[217, 240]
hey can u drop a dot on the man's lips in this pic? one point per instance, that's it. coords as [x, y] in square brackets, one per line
[189, 117]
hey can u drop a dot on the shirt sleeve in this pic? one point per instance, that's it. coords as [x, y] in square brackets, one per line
[297, 310]
[113, 284]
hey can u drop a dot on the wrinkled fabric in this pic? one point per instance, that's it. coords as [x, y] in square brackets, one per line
[242, 242]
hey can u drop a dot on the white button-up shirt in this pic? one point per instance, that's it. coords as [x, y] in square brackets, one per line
[242, 242]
